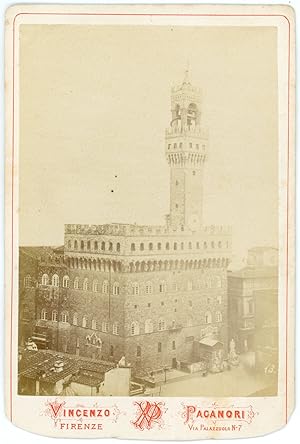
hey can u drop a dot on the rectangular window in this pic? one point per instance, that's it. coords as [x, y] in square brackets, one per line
[159, 347]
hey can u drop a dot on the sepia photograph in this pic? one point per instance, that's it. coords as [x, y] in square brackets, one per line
[148, 211]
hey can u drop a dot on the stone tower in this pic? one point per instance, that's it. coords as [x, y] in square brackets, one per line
[186, 148]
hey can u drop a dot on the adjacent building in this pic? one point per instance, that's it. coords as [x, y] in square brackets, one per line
[248, 288]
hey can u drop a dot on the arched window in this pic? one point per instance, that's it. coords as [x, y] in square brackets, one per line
[159, 347]
[142, 246]
[75, 319]
[159, 246]
[212, 244]
[95, 285]
[175, 245]
[138, 351]
[84, 321]
[190, 245]
[85, 286]
[54, 316]
[76, 283]
[173, 345]
[190, 285]
[44, 315]
[135, 329]
[66, 281]
[162, 287]
[208, 282]
[167, 246]
[207, 317]
[94, 324]
[88, 340]
[55, 280]
[104, 327]
[149, 288]
[69, 244]
[218, 281]
[161, 324]
[105, 287]
[148, 326]
[103, 246]
[98, 343]
[88, 245]
[75, 245]
[218, 316]
[132, 247]
[205, 245]
[219, 244]
[45, 279]
[116, 288]
[110, 246]
[219, 299]
[116, 328]
[27, 281]
[95, 245]
[197, 245]
[82, 245]
[64, 317]
[135, 288]
[118, 247]
[150, 246]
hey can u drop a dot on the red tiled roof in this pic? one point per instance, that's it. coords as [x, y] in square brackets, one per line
[38, 364]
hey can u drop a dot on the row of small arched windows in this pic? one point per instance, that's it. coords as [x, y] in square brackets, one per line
[191, 145]
[110, 246]
[210, 282]
[149, 326]
[84, 286]
[94, 245]
[84, 322]
[174, 246]
[134, 327]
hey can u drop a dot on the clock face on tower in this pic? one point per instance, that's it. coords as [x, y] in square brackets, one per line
[193, 222]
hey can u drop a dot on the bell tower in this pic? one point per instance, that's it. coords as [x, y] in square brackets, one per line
[186, 150]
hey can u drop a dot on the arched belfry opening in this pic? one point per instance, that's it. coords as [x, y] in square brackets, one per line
[192, 115]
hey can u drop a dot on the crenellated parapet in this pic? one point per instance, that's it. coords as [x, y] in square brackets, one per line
[142, 230]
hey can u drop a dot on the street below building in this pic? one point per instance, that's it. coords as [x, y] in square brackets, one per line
[239, 381]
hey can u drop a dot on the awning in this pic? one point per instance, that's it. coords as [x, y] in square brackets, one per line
[38, 338]
[210, 342]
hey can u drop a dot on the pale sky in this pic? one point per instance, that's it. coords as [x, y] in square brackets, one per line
[95, 102]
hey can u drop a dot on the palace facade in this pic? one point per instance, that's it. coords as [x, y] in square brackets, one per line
[148, 293]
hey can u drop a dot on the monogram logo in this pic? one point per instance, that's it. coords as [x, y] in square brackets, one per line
[148, 414]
